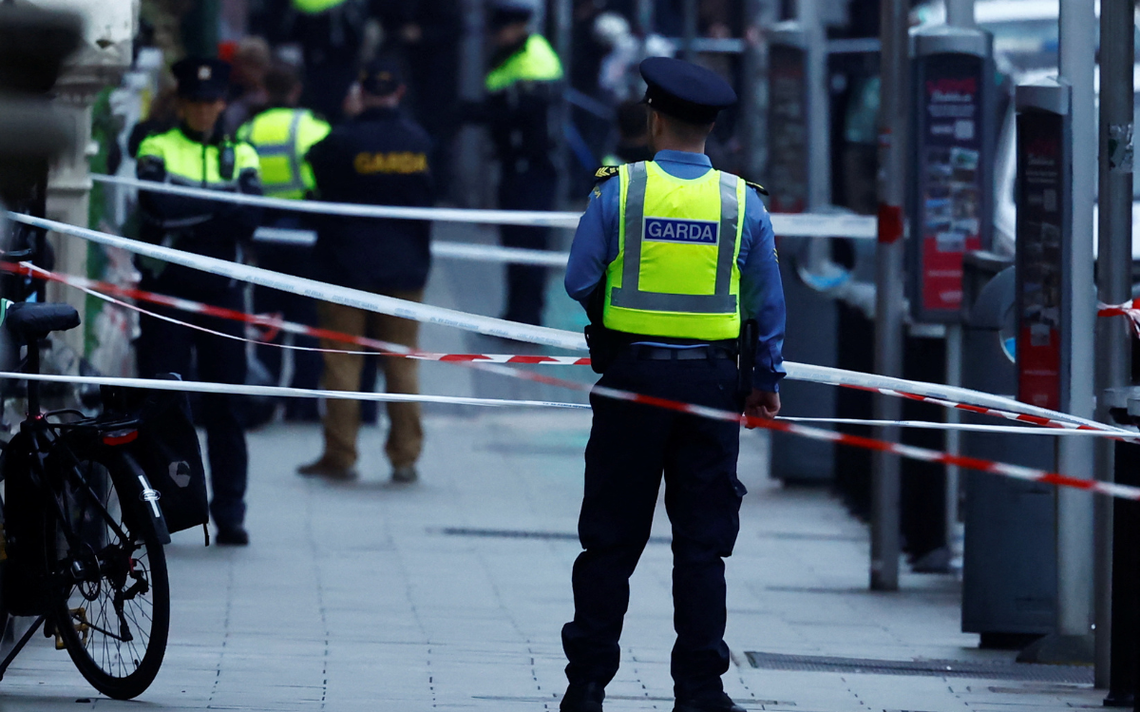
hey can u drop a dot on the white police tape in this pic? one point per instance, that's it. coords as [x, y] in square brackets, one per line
[859, 227]
[326, 292]
[941, 394]
[456, 250]
[159, 384]
[532, 218]
[967, 427]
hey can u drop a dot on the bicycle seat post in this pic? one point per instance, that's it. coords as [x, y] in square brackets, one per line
[33, 366]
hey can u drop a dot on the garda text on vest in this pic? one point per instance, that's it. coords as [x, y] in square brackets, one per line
[701, 232]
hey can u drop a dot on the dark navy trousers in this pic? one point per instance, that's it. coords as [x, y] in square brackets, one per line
[163, 347]
[526, 284]
[632, 447]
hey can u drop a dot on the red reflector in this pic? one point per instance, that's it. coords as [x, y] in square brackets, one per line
[121, 437]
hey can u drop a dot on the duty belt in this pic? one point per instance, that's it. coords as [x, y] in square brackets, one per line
[646, 352]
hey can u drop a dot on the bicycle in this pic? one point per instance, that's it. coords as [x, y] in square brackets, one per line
[82, 532]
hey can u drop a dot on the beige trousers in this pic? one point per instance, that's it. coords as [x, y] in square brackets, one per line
[342, 373]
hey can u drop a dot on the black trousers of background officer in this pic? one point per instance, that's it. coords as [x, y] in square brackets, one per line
[307, 365]
[529, 189]
[630, 446]
[163, 347]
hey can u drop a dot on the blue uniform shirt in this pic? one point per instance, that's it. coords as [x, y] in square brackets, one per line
[761, 292]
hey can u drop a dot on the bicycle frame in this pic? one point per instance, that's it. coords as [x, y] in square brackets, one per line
[61, 484]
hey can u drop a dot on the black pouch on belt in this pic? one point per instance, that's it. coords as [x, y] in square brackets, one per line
[749, 331]
[601, 341]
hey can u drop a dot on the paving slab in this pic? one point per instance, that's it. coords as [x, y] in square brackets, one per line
[449, 594]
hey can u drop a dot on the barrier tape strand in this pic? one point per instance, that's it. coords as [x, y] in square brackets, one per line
[859, 227]
[998, 468]
[941, 394]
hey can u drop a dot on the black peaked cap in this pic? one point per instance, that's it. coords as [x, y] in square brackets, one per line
[202, 78]
[685, 90]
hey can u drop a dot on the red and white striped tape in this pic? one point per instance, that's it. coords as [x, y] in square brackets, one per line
[997, 468]
[393, 349]
[272, 324]
[942, 394]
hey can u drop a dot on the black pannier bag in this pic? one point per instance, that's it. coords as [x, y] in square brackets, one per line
[168, 451]
[24, 583]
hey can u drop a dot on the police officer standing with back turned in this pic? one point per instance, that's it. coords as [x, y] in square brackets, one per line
[676, 264]
[522, 88]
[378, 158]
[282, 133]
[196, 154]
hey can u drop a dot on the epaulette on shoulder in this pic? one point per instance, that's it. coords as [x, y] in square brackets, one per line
[604, 173]
[757, 187]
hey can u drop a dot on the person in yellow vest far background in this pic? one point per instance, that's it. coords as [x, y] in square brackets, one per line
[522, 87]
[282, 133]
[676, 265]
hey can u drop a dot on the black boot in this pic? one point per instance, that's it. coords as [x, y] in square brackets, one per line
[718, 702]
[585, 697]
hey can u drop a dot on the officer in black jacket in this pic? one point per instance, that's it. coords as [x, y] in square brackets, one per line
[381, 158]
[196, 154]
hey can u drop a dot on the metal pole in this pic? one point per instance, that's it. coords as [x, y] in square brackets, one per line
[809, 16]
[960, 13]
[1075, 509]
[953, 438]
[894, 119]
[645, 19]
[1114, 278]
[690, 30]
[754, 117]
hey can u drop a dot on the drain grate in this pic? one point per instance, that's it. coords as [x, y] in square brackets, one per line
[930, 668]
[524, 534]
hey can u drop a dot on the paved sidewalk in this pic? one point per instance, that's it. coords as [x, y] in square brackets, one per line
[449, 594]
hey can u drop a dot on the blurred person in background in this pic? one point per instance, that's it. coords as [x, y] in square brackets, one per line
[633, 135]
[431, 38]
[282, 133]
[378, 158]
[331, 33]
[522, 87]
[197, 153]
[247, 94]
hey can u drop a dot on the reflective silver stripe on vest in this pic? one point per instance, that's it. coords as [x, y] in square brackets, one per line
[288, 150]
[629, 295]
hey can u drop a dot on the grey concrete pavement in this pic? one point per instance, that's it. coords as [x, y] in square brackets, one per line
[449, 594]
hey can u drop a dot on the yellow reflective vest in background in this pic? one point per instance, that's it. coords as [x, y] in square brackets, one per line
[676, 272]
[283, 137]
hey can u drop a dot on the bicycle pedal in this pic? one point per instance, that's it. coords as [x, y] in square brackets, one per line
[79, 620]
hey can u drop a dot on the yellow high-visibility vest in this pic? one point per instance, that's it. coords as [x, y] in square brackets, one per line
[535, 62]
[283, 137]
[188, 162]
[676, 274]
[313, 7]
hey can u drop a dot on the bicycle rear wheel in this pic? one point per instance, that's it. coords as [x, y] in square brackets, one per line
[112, 611]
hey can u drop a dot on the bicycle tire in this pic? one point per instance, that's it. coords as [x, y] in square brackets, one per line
[112, 665]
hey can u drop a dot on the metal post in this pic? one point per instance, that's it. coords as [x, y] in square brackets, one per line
[810, 18]
[1075, 455]
[1114, 280]
[470, 155]
[754, 100]
[690, 29]
[894, 119]
[953, 438]
[960, 13]
[645, 17]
